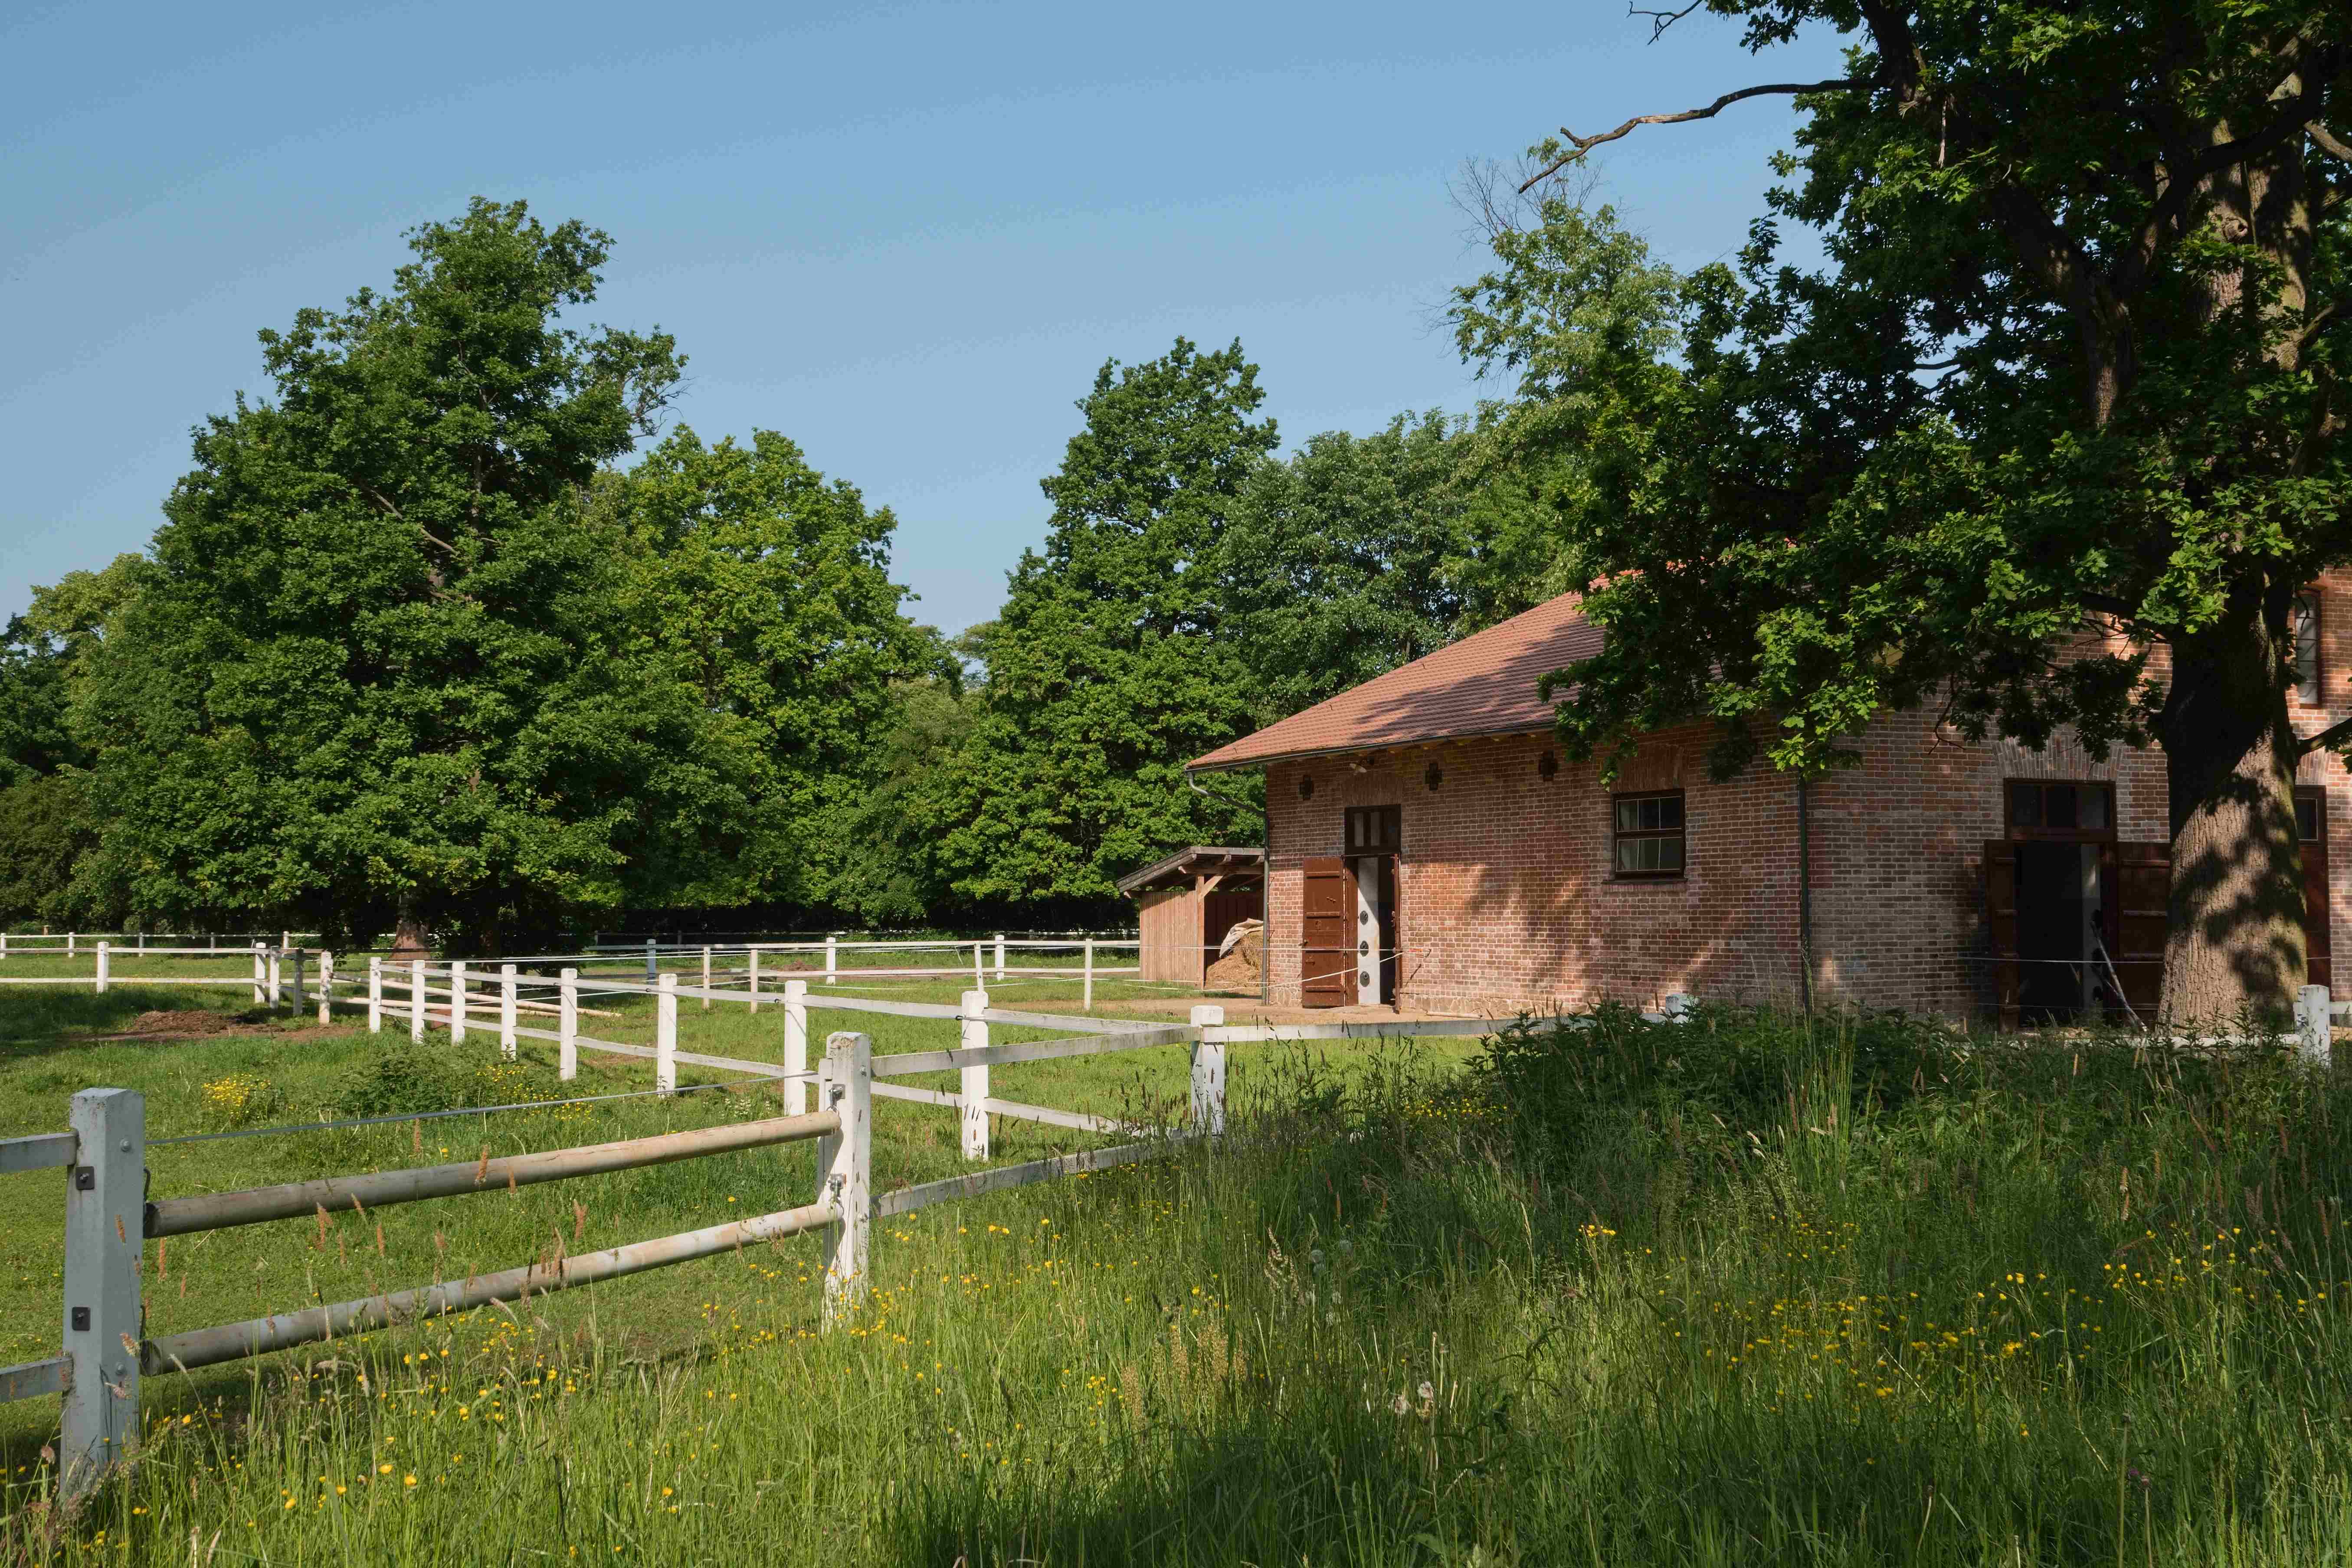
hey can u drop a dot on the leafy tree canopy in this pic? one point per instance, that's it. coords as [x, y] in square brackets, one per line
[382, 672]
[2052, 440]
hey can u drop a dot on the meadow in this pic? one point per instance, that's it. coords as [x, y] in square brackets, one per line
[1868, 1291]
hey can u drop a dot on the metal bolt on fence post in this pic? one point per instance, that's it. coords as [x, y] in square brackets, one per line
[796, 1085]
[567, 1026]
[507, 1010]
[666, 1035]
[376, 995]
[416, 1000]
[844, 1167]
[973, 1088]
[1208, 1070]
[104, 953]
[457, 981]
[326, 985]
[105, 1230]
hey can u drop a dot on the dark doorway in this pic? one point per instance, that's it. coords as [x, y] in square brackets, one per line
[2058, 920]
[1375, 835]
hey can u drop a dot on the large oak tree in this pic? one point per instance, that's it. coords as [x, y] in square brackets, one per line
[2052, 439]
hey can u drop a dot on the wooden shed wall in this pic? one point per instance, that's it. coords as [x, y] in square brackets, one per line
[1169, 922]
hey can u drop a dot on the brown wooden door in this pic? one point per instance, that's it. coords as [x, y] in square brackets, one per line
[2139, 918]
[1327, 958]
[2001, 917]
[2311, 824]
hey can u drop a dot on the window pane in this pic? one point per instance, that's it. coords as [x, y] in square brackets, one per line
[1670, 812]
[1629, 854]
[2095, 805]
[1670, 853]
[2058, 805]
[2307, 649]
[1629, 815]
[2025, 805]
[2306, 819]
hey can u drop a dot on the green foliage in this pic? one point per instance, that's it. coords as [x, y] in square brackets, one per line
[46, 827]
[2049, 442]
[766, 591]
[1337, 564]
[381, 673]
[1106, 670]
[399, 1079]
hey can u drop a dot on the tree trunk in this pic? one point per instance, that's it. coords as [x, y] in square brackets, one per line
[408, 932]
[2236, 944]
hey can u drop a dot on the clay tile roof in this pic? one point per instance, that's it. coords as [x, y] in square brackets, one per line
[1482, 685]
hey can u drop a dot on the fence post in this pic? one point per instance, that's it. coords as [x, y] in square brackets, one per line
[456, 1000]
[326, 985]
[285, 938]
[567, 1026]
[375, 994]
[845, 1165]
[973, 1089]
[1208, 1070]
[705, 977]
[296, 992]
[796, 1047]
[1000, 955]
[276, 977]
[653, 966]
[1090, 975]
[69, 944]
[260, 978]
[2313, 1028]
[832, 960]
[104, 953]
[416, 1000]
[754, 955]
[105, 1231]
[507, 1010]
[666, 1035]
[4, 946]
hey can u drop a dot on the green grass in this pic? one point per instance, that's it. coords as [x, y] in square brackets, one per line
[1733, 1292]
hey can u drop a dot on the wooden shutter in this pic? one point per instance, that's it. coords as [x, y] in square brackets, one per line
[1327, 964]
[2141, 902]
[2000, 918]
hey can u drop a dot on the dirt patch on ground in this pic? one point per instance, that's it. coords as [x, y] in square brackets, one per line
[184, 1024]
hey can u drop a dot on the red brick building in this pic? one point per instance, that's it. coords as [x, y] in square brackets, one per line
[1428, 846]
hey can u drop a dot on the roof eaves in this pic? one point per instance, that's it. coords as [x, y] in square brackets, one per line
[1239, 763]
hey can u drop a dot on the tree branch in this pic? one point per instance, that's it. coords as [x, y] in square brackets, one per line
[1661, 20]
[2327, 141]
[2335, 736]
[1587, 143]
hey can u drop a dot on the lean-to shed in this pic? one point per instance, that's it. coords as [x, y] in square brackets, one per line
[1186, 903]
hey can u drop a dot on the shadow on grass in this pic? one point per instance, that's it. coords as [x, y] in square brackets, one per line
[35, 1022]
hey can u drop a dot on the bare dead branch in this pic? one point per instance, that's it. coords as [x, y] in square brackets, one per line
[1587, 143]
[1661, 20]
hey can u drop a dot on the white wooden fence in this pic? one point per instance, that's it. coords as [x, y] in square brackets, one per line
[110, 1216]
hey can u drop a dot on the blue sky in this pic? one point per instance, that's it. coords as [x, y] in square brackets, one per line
[905, 235]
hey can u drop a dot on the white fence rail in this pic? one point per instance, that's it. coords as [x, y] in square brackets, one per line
[110, 1216]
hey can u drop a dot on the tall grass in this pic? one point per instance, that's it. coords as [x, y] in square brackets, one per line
[1736, 1291]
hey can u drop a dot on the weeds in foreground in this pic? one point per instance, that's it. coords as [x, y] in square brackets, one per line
[1738, 1290]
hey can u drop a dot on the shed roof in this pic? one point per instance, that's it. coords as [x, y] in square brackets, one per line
[1189, 862]
[1482, 685]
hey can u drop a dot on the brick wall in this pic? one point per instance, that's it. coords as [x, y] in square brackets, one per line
[1507, 897]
